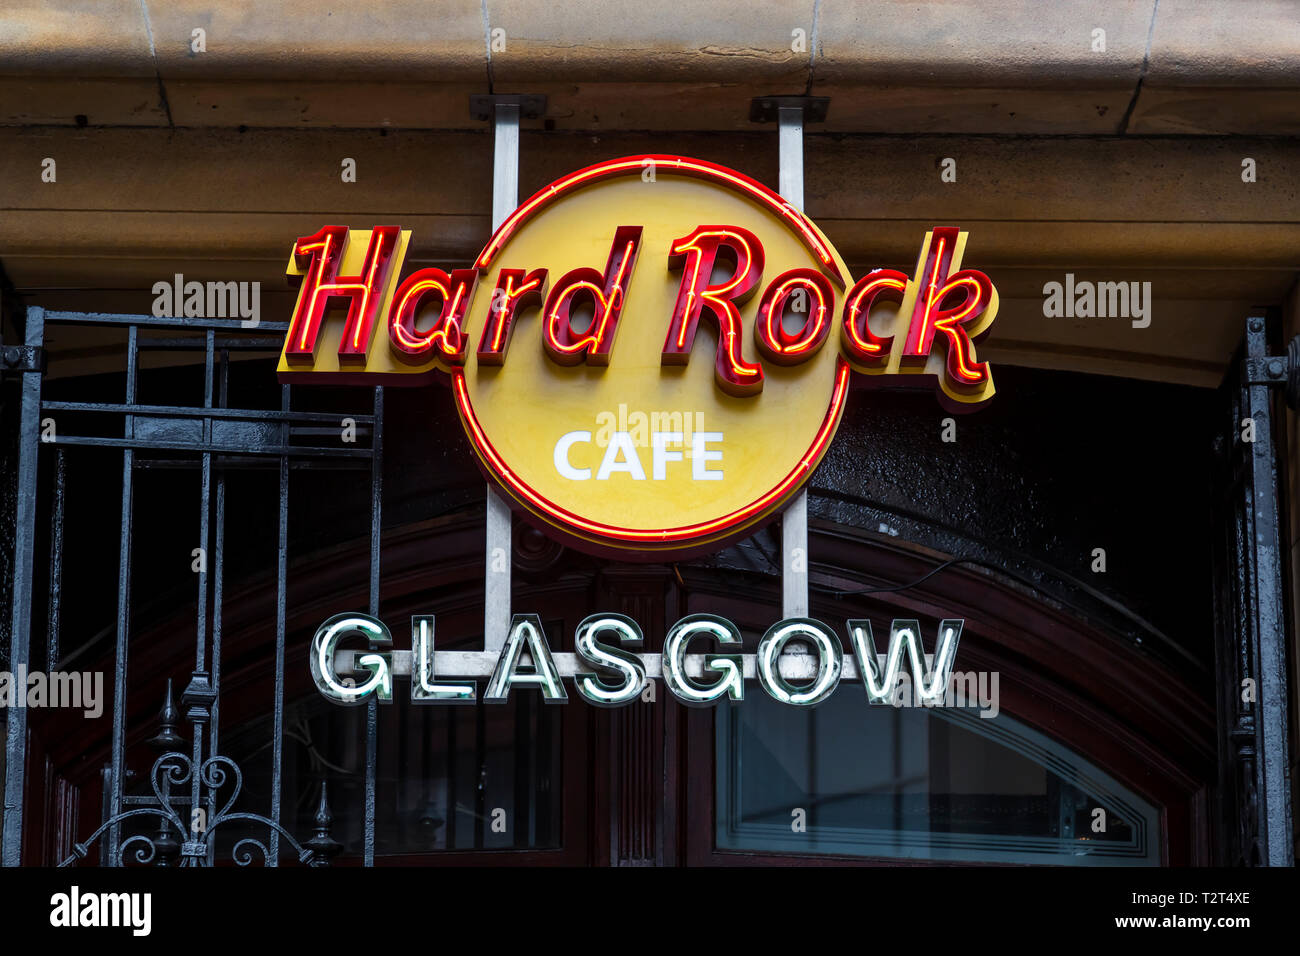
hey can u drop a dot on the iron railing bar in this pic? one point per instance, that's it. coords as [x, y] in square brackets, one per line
[105, 784]
[201, 614]
[281, 601]
[205, 504]
[11, 836]
[148, 800]
[218, 559]
[182, 344]
[165, 322]
[196, 777]
[372, 709]
[270, 451]
[123, 609]
[57, 513]
[238, 463]
[307, 431]
[194, 411]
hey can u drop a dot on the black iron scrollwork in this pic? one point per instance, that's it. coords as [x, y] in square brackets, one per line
[176, 786]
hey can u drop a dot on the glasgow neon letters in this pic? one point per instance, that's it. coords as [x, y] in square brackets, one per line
[702, 662]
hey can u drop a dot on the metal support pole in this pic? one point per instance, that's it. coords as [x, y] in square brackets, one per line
[122, 645]
[1264, 635]
[505, 197]
[376, 542]
[11, 843]
[794, 522]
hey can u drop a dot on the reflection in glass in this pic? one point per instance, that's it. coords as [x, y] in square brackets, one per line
[917, 783]
[445, 774]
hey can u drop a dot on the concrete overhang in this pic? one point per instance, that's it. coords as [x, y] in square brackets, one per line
[993, 66]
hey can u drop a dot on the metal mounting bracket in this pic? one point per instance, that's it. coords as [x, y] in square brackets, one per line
[531, 105]
[1275, 370]
[767, 109]
[22, 358]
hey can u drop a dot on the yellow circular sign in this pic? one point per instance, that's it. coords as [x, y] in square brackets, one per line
[674, 377]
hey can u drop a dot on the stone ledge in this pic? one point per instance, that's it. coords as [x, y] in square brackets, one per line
[996, 66]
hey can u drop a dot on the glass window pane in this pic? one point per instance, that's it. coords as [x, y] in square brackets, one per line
[917, 783]
[448, 778]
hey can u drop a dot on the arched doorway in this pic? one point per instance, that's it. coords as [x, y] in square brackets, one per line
[1088, 727]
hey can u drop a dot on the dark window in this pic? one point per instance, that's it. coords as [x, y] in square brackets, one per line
[916, 783]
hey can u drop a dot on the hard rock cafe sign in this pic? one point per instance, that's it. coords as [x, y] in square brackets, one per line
[649, 357]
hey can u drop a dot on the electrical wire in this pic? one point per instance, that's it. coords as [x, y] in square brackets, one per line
[911, 584]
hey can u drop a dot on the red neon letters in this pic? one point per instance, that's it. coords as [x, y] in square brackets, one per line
[608, 291]
[515, 291]
[947, 304]
[818, 300]
[446, 338]
[320, 255]
[968, 293]
[695, 255]
[859, 342]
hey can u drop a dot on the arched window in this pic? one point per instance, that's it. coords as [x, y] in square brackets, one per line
[850, 778]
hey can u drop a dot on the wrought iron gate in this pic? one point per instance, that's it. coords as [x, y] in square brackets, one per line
[1254, 813]
[195, 788]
